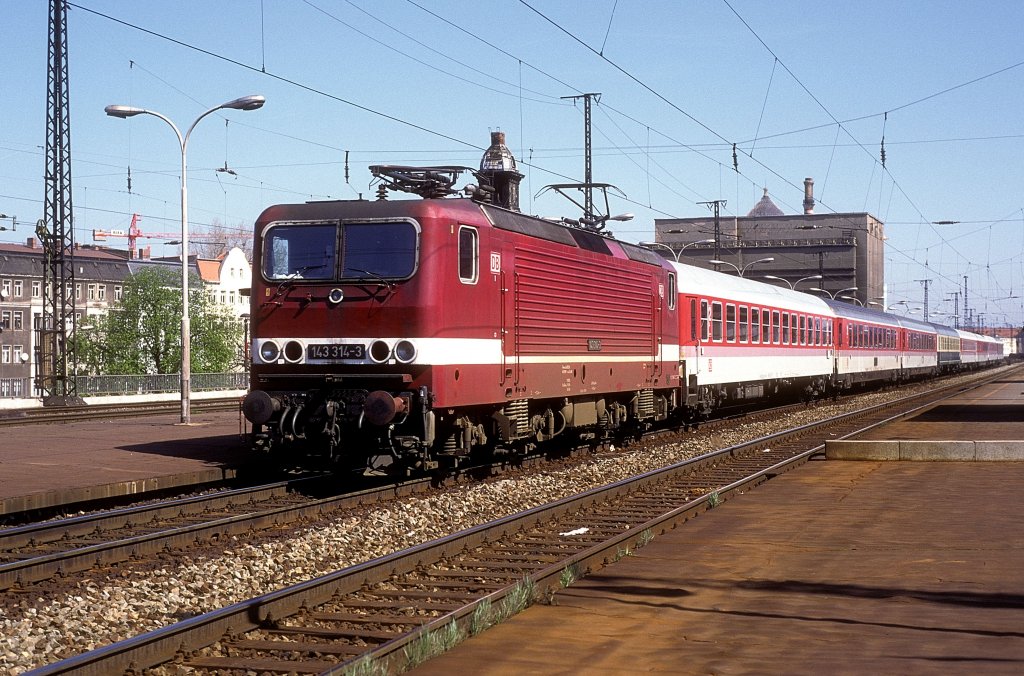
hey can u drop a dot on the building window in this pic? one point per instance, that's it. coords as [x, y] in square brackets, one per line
[117, 293]
[19, 320]
[78, 292]
[92, 292]
[18, 349]
[37, 289]
[5, 319]
[5, 354]
[18, 289]
[6, 287]
[101, 292]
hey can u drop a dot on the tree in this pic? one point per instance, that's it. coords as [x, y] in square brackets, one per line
[141, 333]
[226, 238]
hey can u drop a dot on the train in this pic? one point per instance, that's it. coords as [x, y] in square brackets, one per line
[407, 335]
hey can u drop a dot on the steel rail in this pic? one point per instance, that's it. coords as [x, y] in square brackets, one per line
[31, 569]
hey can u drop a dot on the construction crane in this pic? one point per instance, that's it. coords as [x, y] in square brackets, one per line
[133, 233]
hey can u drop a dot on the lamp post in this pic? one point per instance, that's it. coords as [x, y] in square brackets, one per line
[834, 295]
[792, 285]
[675, 253]
[854, 299]
[244, 103]
[740, 270]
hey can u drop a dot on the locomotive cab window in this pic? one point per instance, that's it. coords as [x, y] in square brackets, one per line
[300, 251]
[469, 255]
[375, 251]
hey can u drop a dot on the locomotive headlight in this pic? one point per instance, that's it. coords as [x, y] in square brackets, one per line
[293, 351]
[269, 352]
[405, 351]
[379, 351]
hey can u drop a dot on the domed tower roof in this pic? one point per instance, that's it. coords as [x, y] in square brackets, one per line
[765, 207]
[498, 171]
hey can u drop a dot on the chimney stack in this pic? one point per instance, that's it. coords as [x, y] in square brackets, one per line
[808, 196]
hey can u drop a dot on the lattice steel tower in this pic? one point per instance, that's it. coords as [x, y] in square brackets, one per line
[55, 356]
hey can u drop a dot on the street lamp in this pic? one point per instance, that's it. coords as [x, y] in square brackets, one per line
[833, 295]
[792, 285]
[675, 253]
[853, 298]
[740, 270]
[245, 103]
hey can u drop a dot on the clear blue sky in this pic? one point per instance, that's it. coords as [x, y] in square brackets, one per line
[403, 82]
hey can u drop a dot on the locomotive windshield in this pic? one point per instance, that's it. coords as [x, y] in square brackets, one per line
[374, 251]
[300, 252]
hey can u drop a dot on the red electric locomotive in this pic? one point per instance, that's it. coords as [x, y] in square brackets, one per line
[397, 334]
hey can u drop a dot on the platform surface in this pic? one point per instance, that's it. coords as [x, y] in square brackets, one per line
[992, 412]
[44, 465]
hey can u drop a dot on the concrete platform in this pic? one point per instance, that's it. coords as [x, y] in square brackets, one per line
[982, 424]
[837, 567]
[46, 465]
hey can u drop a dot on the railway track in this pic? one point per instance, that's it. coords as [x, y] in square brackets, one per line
[402, 608]
[43, 416]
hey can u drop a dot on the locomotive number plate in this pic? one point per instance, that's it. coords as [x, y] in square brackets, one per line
[334, 351]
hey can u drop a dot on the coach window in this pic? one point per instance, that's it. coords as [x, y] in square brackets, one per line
[716, 321]
[693, 319]
[775, 327]
[704, 319]
[817, 330]
[730, 323]
[785, 328]
[469, 255]
[744, 323]
[755, 325]
[803, 330]
[792, 329]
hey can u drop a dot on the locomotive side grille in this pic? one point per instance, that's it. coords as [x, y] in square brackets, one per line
[564, 304]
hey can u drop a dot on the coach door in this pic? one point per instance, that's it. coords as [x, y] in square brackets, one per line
[690, 344]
